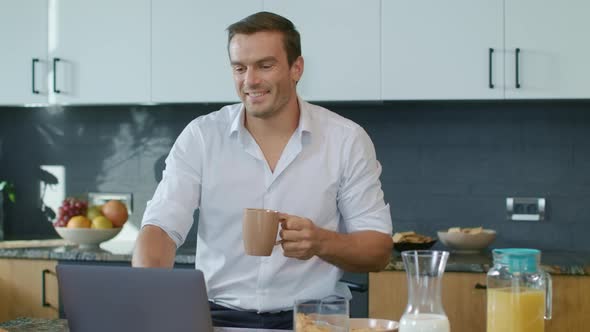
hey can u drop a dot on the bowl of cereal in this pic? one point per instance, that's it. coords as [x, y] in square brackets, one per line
[321, 315]
[372, 325]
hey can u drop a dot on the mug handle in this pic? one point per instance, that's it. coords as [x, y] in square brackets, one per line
[280, 227]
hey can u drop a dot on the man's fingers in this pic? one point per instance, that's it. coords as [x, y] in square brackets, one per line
[298, 254]
[296, 245]
[290, 249]
[296, 236]
[292, 223]
[284, 215]
[291, 235]
[289, 246]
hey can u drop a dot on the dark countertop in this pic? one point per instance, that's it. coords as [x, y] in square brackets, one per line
[60, 250]
[61, 325]
[556, 262]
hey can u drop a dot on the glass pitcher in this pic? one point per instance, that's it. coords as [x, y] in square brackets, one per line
[518, 292]
[424, 312]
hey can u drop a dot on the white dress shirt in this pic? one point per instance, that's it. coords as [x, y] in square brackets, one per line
[328, 172]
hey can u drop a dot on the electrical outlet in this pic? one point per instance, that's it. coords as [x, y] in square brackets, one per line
[525, 208]
[101, 198]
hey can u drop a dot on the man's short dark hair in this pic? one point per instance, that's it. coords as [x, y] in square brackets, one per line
[266, 21]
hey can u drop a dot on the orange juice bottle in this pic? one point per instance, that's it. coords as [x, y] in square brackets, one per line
[518, 292]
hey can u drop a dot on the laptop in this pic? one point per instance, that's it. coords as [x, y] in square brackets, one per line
[121, 298]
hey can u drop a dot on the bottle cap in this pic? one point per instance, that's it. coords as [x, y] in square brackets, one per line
[518, 259]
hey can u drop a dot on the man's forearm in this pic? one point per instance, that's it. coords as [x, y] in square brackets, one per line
[365, 251]
[153, 248]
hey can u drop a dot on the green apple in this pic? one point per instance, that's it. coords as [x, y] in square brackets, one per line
[93, 212]
[101, 222]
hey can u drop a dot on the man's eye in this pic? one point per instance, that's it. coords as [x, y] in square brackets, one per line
[266, 66]
[239, 70]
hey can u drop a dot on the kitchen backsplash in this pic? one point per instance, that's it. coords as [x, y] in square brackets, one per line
[444, 163]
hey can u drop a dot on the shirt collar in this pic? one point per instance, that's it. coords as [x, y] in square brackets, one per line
[305, 121]
[238, 121]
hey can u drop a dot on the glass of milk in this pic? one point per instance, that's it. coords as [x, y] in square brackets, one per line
[424, 312]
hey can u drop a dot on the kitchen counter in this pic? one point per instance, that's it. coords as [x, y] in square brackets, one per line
[61, 325]
[555, 262]
[61, 250]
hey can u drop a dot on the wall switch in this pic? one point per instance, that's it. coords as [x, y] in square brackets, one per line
[525, 208]
[101, 198]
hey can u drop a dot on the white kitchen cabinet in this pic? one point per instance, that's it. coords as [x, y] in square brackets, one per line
[100, 51]
[190, 62]
[340, 46]
[441, 50]
[435, 49]
[23, 38]
[554, 51]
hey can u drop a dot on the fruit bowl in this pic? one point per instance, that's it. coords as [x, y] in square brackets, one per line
[468, 243]
[87, 237]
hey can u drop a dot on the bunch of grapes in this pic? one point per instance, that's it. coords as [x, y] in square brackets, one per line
[70, 207]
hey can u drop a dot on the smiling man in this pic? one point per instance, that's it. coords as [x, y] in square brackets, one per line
[265, 79]
[272, 151]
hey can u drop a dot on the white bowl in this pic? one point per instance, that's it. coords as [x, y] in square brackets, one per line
[463, 242]
[383, 325]
[87, 237]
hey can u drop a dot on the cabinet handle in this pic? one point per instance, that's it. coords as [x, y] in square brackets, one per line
[517, 56]
[35, 91]
[44, 302]
[491, 52]
[55, 61]
[480, 286]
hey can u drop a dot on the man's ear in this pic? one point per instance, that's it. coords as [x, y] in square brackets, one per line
[297, 69]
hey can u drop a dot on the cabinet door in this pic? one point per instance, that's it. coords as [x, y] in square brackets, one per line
[553, 40]
[571, 304]
[464, 301]
[190, 62]
[104, 51]
[440, 49]
[21, 288]
[23, 38]
[340, 47]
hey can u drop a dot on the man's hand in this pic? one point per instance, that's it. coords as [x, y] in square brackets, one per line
[362, 251]
[300, 238]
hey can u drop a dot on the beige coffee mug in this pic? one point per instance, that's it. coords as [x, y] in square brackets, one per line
[259, 231]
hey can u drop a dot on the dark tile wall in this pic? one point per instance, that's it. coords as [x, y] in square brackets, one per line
[444, 163]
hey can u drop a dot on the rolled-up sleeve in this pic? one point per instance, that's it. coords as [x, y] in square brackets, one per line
[360, 197]
[179, 193]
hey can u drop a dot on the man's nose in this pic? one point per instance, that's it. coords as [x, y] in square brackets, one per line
[251, 78]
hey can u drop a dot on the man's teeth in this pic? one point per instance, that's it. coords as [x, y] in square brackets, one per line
[256, 94]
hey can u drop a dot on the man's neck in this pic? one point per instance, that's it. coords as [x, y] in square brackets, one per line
[281, 125]
[272, 134]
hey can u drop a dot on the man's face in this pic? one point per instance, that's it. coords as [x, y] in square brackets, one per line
[264, 81]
